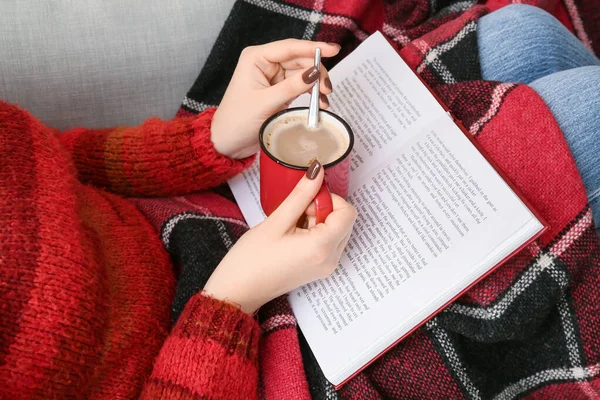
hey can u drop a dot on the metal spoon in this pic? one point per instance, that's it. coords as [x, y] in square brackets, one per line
[313, 111]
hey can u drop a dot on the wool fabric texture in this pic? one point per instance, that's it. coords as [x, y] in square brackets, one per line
[85, 282]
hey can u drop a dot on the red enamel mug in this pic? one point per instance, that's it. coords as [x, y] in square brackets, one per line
[278, 178]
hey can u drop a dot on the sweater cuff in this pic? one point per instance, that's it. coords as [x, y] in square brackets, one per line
[223, 323]
[206, 152]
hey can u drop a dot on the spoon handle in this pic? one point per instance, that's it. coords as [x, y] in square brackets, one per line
[313, 111]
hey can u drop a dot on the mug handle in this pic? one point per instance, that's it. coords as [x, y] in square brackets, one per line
[323, 203]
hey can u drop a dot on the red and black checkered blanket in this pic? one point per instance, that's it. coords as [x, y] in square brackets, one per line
[530, 330]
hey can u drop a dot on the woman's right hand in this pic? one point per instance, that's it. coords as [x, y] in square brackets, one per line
[276, 256]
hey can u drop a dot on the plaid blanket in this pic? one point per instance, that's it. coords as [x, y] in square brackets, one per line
[531, 329]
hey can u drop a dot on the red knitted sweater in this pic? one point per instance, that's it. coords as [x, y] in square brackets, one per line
[85, 284]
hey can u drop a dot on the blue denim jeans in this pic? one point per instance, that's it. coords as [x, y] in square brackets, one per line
[521, 43]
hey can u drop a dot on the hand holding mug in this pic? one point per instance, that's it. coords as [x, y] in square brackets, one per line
[287, 148]
[267, 78]
[276, 256]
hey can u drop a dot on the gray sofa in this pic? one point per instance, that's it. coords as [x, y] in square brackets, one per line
[100, 63]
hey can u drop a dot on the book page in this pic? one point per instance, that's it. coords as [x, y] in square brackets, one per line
[427, 222]
[433, 215]
[383, 107]
[246, 190]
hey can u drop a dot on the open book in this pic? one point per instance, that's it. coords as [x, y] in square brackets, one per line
[434, 216]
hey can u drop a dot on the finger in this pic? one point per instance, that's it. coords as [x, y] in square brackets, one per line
[290, 88]
[310, 216]
[323, 101]
[325, 85]
[340, 222]
[289, 212]
[311, 211]
[288, 49]
[342, 246]
[279, 76]
[339, 251]
[298, 63]
[311, 222]
[343, 216]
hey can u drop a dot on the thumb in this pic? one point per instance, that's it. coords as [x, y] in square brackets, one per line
[294, 206]
[287, 90]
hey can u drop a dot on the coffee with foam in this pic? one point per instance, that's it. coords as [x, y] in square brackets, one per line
[291, 141]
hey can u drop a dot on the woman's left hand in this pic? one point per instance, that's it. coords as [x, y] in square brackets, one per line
[276, 256]
[267, 78]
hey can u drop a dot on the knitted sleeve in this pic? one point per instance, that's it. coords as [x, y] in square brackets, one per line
[157, 158]
[211, 353]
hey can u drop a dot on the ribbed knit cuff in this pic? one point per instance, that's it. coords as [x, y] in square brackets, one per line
[212, 353]
[222, 322]
[205, 150]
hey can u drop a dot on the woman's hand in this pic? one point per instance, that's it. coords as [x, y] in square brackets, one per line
[267, 78]
[276, 257]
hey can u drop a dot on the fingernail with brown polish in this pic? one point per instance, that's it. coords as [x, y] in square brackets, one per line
[324, 100]
[311, 75]
[328, 84]
[313, 170]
